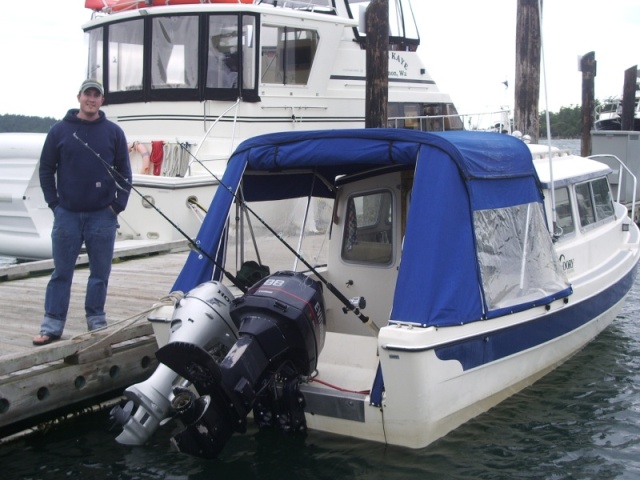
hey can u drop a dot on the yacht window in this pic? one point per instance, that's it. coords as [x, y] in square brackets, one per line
[428, 117]
[125, 56]
[222, 68]
[249, 52]
[594, 201]
[403, 30]
[174, 52]
[585, 205]
[367, 236]
[412, 114]
[602, 199]
[95, 67]
[287, 54]
[564, 215]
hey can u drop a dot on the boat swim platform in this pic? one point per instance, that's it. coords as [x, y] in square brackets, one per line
[38, 383]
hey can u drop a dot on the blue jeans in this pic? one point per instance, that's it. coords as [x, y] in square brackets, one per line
[70, 229]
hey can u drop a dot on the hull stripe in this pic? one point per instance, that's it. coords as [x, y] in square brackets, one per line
[487, 348]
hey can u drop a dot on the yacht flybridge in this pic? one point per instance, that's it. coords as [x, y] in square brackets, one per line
[190, 80]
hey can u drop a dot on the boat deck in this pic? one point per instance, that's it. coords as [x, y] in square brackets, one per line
[82, 366]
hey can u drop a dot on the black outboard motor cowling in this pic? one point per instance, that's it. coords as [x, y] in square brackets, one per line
[281, 334]
[290, 303]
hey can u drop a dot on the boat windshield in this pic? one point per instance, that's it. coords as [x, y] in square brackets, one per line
[176, 57]
[403, 30]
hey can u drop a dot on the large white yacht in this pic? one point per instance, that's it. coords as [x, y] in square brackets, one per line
[189, 80]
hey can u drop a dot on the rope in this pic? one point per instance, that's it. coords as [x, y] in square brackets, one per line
[172, 299]
[176, 160]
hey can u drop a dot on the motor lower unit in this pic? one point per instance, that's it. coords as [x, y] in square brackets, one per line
[201, 318]
[281, 330]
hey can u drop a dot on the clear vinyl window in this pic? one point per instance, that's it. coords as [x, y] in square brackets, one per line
[126, 56]
[222, 61]
[516, 256]
[367, 235]
[174, 52]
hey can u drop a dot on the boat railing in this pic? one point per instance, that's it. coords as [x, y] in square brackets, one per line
[498, 121]
[194, 155]
[620, 172]
[307, 5]
[108, 7]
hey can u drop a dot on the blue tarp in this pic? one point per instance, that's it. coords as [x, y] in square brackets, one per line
[455, 173]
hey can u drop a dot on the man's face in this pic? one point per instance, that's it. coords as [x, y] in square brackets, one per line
[90, 101]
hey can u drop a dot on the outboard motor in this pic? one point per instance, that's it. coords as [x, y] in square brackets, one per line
[282, 329]
[201, 318]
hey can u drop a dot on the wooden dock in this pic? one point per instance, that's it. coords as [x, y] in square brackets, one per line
[82, 367]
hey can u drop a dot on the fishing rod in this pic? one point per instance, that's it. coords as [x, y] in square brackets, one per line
[192, 243]
[354, 305]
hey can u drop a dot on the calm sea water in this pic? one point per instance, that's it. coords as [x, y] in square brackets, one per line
[581, 421]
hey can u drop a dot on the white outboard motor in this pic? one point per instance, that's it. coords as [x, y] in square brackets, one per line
[201, 318]
[282, 331]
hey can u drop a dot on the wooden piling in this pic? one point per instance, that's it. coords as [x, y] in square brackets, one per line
[629, 98]
[588, 66]
[377, 58]
[528, 51]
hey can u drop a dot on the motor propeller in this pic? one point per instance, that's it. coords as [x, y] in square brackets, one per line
[120, 414]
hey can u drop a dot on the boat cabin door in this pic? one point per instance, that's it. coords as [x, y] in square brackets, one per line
[364, 253]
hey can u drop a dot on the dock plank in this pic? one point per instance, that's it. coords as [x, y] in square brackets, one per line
[37, 380]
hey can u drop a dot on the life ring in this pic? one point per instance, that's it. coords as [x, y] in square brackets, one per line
[144, 154]
[114, 5]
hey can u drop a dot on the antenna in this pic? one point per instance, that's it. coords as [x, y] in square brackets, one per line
[546, 103]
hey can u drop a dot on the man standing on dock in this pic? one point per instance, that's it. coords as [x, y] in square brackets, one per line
[85, 176]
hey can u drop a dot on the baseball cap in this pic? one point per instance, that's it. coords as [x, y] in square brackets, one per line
[91, 84]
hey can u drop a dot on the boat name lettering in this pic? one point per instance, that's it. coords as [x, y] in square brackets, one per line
[402, 71]
[567, 264]
[400, 60]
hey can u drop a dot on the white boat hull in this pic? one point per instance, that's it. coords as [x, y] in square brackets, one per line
[426, 397]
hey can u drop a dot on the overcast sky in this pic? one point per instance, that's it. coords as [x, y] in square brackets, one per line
[468, 46]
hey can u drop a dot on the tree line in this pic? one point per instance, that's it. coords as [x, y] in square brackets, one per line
[23, 123]
[565, 123]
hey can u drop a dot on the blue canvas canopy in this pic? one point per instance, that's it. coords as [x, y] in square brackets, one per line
[462, 181]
